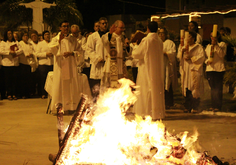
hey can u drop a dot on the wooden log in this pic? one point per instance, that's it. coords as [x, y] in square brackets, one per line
[60, 123]
[73, 129]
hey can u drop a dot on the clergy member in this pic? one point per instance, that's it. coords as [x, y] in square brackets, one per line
[94, 50]
[191, 57]
[150, 77]
[170, 68]
[65, 75]
[114, 55]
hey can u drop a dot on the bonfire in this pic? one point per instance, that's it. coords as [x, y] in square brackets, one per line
[108, 133]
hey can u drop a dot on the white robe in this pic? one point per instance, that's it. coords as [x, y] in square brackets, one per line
[192, 70]
[170, 64]
[94, 50]
[65, 74]
[110, 69]
[150, 77]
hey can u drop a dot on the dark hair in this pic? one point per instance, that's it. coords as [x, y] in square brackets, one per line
[33, 32]
[22, 34]
[102, 18]
[65, 21]
[227, 30]
[193, 34]
[195, 25]
[45, 31]
[153, 26]
[5, 38]
[165, 31]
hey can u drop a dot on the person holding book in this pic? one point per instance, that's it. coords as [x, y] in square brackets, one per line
[10, 51]
[150, 77]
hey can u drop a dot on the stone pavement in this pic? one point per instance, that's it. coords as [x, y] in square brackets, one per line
[28, 134]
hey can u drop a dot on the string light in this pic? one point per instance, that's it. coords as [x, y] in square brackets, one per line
[192, 14]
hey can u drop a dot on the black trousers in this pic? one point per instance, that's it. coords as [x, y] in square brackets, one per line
[135, 73]
[10, 73]
[190, 101]
[87, 72]
[169, 97]
[215, 80]
[43, 72]
[2, 84]
[25, 71]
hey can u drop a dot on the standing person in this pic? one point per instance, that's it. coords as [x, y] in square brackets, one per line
[170, 68]
[75, 31]
[150, 80]
[114, 55]
[10, 50]
[191, 59]
[215, 70]
[2, 84]
[193, 26]
[96, 26]
[27, 61]
[94, 50]
[45, 59]
[86, 65]
[34, 87]
[65, 90]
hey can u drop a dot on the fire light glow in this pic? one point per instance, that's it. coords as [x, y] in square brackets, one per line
[110, 136]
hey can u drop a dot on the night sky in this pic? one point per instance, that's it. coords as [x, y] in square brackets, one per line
[92, 10]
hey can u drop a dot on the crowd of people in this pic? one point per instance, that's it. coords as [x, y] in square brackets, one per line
[106, 55]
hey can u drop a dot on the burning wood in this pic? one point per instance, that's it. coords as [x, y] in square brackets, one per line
[60, 123]
[103, 135]
[73, 129]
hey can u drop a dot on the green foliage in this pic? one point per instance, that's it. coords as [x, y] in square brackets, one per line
[230, 75]
[229, 40]
[13, 15]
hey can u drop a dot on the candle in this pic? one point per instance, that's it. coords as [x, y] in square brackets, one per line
[182, 33]
[182, 37]
[214, 33]
[186, 35]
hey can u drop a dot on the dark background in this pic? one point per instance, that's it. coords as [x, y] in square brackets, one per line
[92, 10]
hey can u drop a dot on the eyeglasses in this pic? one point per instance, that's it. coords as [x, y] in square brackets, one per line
[104, 23]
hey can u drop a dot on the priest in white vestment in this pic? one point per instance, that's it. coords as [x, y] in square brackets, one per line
[191, 57]
[170, 68]
[150, 77]
[94, 49]
[65, 74]
[114, 55]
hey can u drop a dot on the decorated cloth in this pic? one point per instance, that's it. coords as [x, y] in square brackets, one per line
[114, 55]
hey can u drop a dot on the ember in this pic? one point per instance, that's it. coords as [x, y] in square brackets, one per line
[108, 133]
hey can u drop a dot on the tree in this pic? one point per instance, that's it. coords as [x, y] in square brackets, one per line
[13, 15]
